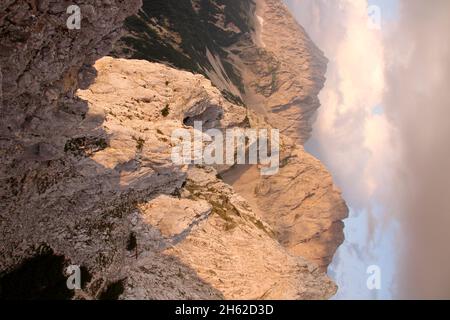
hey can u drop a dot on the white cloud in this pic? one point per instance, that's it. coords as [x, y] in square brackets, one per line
[349, 137]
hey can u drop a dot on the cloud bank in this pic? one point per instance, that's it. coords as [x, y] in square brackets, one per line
[348, 135]
[352, 134]
[417, 102]
[383, 129]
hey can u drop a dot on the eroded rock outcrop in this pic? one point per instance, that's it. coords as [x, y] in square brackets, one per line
[283, 73]
[142, 227]
[301, 203]
[256, 53]
[204, 224]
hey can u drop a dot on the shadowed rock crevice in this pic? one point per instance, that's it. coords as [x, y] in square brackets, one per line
[41, 277]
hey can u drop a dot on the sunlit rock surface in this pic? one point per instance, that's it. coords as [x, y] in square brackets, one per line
[256, 54]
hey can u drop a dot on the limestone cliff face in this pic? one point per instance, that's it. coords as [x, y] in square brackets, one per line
[282, 69]
[256, 53]
[283, 73]
[202, 223]
[87, 178]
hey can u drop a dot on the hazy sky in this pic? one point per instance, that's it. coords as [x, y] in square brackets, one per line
[381, 131]
[417, 100]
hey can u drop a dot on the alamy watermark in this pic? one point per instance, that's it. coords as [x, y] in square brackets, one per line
[229, 147]
[374, 21]
[74, 277]
[74, 20]
[374, 280]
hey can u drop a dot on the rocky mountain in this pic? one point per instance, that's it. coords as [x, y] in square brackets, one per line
[87, 178]
[257, 55]
[253, 51]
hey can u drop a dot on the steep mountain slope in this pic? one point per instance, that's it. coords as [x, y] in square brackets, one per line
[202, 223]
[255, 52]
[301, 203]
[191, 35]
